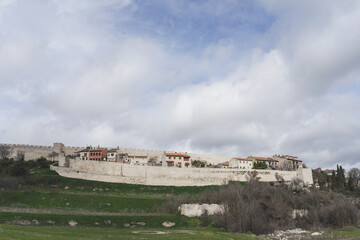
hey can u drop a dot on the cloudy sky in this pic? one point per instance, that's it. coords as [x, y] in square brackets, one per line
[229, 78]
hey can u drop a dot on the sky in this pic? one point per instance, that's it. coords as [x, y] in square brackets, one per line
[231, 78]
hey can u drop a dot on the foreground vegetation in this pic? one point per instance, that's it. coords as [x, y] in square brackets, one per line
[32, 194]
[58, 233]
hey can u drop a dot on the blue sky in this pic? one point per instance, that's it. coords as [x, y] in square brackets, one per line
[228, 78]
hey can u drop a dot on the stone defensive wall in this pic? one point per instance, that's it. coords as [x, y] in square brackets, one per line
[168, 176]
[36, 151]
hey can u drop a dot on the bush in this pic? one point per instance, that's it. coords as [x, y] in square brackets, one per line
[260, 208]
[42, 162]
[9, 183]
[259, 165]
[255, 207]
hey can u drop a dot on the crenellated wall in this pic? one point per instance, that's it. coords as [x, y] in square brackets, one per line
[169, 176]
[36, 151]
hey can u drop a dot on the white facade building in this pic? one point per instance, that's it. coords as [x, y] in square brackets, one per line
[241, 163]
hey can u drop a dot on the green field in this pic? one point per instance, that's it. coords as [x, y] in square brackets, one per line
[91, 202]
[58, 233]
[153, 221]
[47, 180]
[45, 203]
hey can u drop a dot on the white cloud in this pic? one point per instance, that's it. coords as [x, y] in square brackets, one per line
[85, 73]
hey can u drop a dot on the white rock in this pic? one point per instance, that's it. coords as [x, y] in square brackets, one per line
[72, 223]
[35, 222]
[317, 233]
[168, 224]
[196, 210]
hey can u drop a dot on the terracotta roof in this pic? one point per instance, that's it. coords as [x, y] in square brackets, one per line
[137, 156]
[225, 163]
[84, 150]
[242, 159]
[290, 158]
[263, 159]
[98, 150]
[177, 154]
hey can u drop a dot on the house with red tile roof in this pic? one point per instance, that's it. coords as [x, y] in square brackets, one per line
[271, 163]
[176, 160]
[288, 162]
[241, 163]
[98, 154]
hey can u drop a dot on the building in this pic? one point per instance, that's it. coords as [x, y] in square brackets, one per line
[223, 165]
[98, 154]
[241, 163]
[176, 160]
[138, 159]
[113, 156]
[271, 163]
[84, 154]
[287, 162]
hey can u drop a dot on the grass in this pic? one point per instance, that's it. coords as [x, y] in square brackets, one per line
[89, 220]
[46, 179]
[59, 233]
[348, 232]
[92, 202]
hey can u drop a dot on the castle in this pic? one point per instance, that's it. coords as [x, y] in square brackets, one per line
[155, 167]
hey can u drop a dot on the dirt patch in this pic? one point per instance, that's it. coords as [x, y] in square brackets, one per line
[150, 232]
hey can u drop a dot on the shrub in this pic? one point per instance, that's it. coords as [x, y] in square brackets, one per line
[9, 183]
[19, 169]
[259, 165]
[255, 207]
[42, 162]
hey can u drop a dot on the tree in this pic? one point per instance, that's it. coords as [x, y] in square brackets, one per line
[53, 155]
[5, 152]
[286, 166]
[259, 165]
[42, 162]
[333, 181]
[19, 168]
[340, 178]
[152, 161]
[354, 179]
[198, 163]
[338, 182]
[320, 177]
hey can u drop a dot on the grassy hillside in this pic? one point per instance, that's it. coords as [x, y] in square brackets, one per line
[58, 233]
[91, 202]
[47, 180]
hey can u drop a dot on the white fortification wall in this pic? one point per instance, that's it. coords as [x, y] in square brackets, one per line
[36, 151]
[32, 152]
[168, 176]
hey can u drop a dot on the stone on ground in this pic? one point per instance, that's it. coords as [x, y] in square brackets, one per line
[168, 224]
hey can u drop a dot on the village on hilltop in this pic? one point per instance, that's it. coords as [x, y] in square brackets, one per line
[181, 160]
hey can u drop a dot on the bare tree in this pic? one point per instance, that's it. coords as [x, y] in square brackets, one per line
[286, 166]
[354, 179]
[5, 151]
[20, 156]
[152, 161]
[53, 155]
